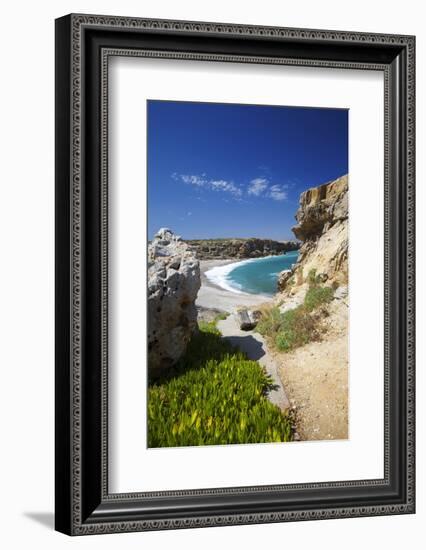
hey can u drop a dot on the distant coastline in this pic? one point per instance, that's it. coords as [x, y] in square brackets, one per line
[239, 248]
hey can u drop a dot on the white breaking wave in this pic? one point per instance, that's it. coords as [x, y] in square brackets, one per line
[219, 276]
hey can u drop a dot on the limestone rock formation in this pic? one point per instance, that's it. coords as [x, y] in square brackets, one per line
[173, 283]
[323, 229]
[209, 249]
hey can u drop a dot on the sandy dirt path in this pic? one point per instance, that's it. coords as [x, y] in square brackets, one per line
[316, 381]
[254, 346]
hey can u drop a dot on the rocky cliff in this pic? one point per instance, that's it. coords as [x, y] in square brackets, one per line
[210, 249]
[322, 226]
[173, 284]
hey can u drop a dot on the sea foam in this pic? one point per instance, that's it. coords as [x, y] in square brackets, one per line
[219, 276]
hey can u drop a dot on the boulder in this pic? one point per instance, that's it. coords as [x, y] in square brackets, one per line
[173, 284]
[283, 279]
[247, 319]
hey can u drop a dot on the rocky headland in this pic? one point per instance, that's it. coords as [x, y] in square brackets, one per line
[173, 283]
[316, 375]
[322, 228]
[239, 249]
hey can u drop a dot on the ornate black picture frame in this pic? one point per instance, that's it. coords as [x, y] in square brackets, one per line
[84, 44]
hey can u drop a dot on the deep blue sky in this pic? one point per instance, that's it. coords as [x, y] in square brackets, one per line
[227, 170]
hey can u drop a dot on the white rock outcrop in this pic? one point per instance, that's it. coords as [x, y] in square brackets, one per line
[173, 283]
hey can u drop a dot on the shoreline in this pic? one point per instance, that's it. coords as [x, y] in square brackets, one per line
[213, 297]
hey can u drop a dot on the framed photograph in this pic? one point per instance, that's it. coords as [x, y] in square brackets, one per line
[234, 274]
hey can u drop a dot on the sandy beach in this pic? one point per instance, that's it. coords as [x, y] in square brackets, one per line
[211, 296]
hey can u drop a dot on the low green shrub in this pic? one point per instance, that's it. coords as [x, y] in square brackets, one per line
[317, 296]
[216, 397]
[296, 327]
[284, 341]
[313, 278]
[270, 322]
[208, 327]
[221, 316]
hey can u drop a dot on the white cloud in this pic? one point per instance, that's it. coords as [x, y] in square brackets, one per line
[199, 181]
[257, 186]
[277, 193]
[261, 187]
[204, 182]
[228, 186]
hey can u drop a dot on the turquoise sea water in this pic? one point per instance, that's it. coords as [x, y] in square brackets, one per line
[257, 276]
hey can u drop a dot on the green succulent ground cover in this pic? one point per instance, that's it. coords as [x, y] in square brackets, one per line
[215, 396]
